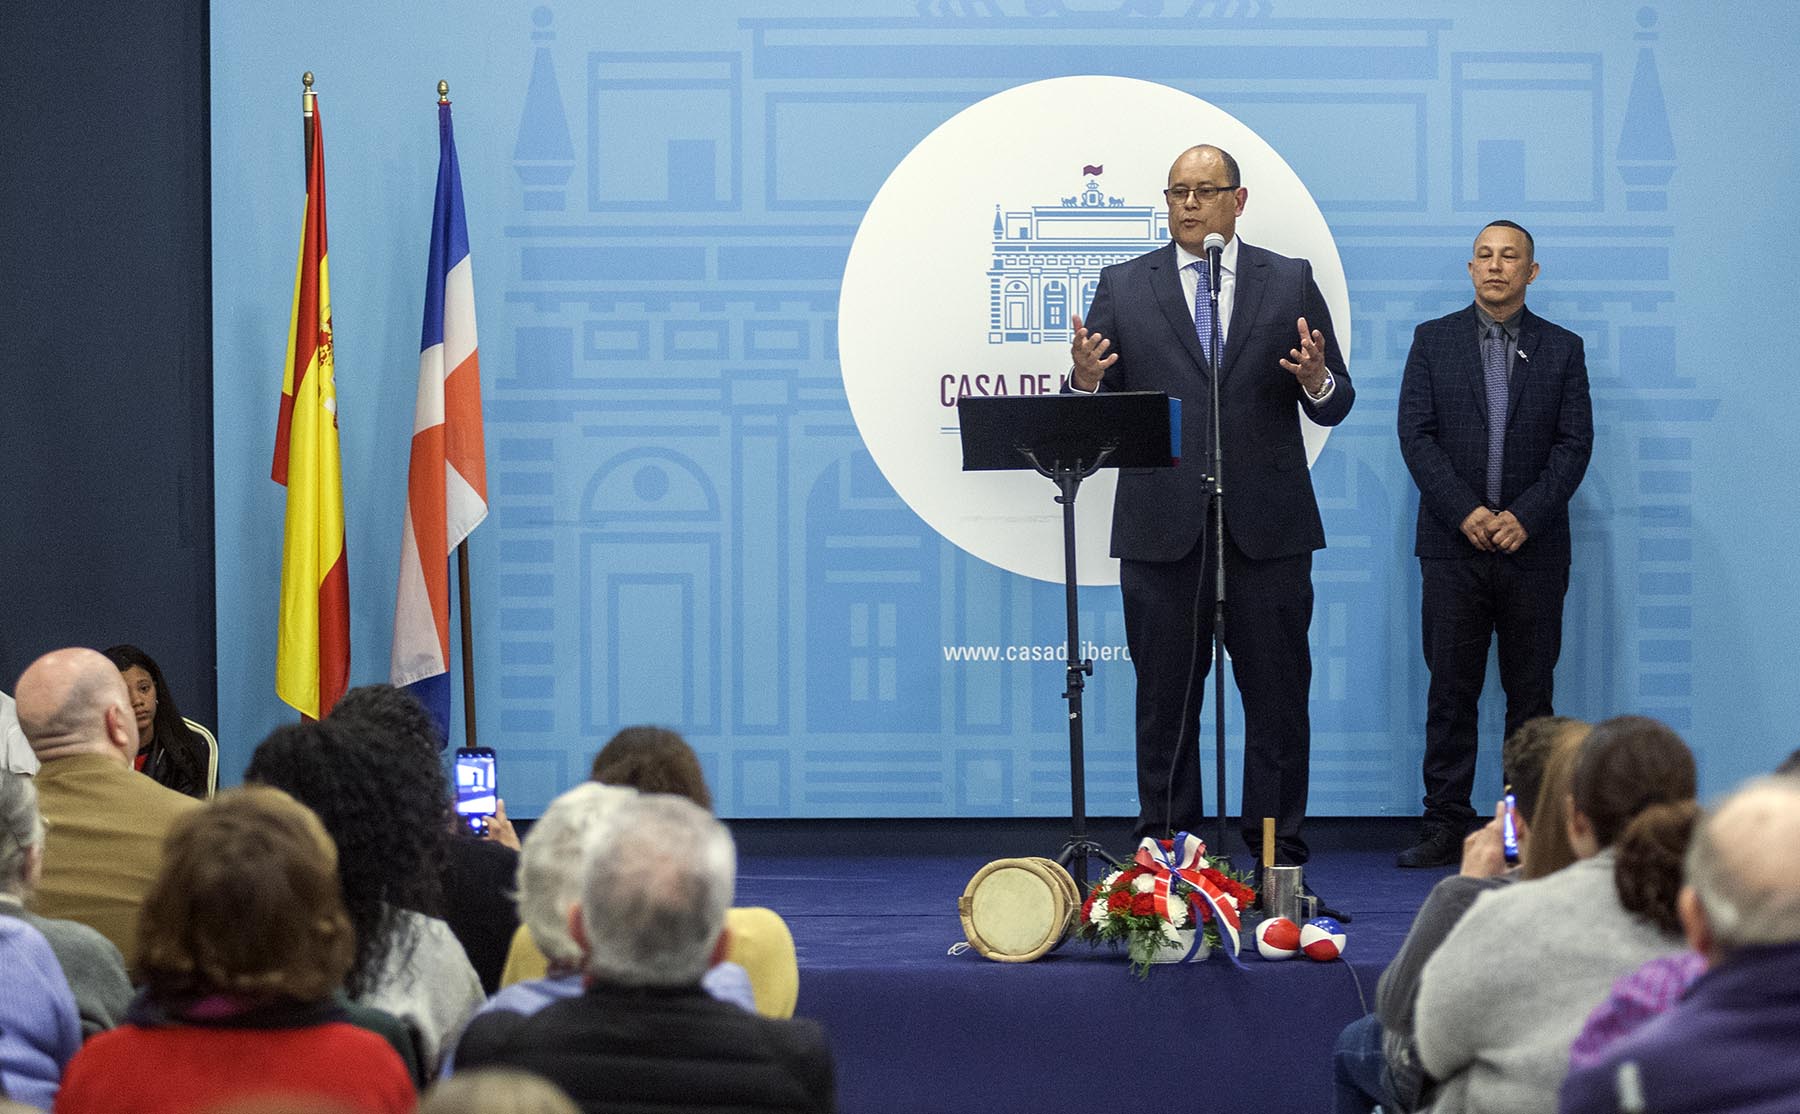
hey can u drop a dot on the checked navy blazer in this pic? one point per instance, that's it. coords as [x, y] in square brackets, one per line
[1444, 433]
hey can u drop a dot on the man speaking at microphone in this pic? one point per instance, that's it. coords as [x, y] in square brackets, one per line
[1150, 328]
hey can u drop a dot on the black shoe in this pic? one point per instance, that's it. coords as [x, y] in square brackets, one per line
[1324, 909]
[1437, 847]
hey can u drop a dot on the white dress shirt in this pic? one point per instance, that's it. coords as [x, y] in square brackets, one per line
[1190, 283]
[15, 753]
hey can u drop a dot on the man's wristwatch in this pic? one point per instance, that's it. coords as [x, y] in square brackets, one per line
[1324, 389]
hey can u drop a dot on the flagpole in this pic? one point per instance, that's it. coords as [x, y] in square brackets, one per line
[462, 586]
[468, 643]
[308, 98]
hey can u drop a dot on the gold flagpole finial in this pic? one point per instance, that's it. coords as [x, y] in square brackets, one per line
[306, 93]
[443, 92]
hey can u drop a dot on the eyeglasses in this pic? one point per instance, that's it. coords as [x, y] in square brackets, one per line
[1178, 195]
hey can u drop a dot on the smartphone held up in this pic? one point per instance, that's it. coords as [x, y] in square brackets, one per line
[477, 791]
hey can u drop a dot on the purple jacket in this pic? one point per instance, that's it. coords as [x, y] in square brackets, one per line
[1730, 1046]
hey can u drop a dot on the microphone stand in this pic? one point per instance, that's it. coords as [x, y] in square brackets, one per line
[1216, 519]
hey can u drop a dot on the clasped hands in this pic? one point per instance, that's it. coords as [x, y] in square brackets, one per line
[1493, 531]
[1092, 354]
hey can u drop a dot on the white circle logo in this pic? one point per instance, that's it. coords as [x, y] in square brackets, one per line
[983, 244]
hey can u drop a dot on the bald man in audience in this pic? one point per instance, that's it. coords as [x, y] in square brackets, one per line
[1731, 1045]
[107, 821]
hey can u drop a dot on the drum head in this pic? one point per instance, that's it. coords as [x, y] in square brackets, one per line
[1015, 910]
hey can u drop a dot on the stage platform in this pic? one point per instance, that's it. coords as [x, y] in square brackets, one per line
[919, 1031]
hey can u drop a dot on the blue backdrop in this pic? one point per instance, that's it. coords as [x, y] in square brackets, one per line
[686, 528]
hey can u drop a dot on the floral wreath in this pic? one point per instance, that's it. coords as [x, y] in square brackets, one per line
[1168, 897]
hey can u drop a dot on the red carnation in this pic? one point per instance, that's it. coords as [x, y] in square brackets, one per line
[1119, 901]
[1143, 905]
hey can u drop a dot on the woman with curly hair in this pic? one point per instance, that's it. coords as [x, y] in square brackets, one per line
[385, 804]
[168, 750]
[477, 880]
[242, 946]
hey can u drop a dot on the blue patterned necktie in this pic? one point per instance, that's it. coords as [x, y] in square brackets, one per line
[1493, 368]
[1203, 313]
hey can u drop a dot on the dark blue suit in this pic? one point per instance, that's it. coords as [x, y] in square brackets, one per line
[1469, 595]
[1272, 528]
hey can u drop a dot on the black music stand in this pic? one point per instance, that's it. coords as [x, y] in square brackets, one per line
[1067, 438]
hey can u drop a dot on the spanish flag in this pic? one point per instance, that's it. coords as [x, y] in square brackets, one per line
[312, 655]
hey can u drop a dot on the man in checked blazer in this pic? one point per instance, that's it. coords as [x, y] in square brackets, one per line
[1496, 427]
[1279, 357]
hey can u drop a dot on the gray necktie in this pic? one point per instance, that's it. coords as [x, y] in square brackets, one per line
[1493, 368]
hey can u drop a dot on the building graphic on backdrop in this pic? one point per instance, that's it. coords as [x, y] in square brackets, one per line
[1047, 260]
[691, 533]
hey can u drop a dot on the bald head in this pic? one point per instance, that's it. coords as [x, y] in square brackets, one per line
[74, 702]
[1740, 867]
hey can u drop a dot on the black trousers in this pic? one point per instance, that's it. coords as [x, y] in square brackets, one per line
[1268, 610]
[1467, 602]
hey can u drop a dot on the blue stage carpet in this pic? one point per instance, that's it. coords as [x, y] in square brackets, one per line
[918, 1030]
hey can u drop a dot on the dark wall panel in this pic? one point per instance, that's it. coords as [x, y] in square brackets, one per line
[106, 505]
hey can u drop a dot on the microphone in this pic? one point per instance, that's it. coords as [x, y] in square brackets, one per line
[1213, 246]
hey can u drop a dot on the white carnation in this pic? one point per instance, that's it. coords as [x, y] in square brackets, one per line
[1178, 914]
[1143, 884]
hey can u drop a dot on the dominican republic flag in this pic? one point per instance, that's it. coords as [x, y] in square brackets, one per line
[446, 488]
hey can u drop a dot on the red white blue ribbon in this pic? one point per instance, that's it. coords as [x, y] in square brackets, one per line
[1177, 863]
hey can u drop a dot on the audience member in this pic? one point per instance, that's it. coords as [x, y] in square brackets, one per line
[1649, 878]
[657, 760]
[1728, 1046]
[39, 1030]
[550, 887]
[1501, 1000]
[169, 753]
[497, 1091]
[1549, 849]
[653, 760]
[658, 875]
[1376, 1060]
[15, 752]
[244, 943]
[385, 807]
[477, 877]
[94, 968]
[106, 824]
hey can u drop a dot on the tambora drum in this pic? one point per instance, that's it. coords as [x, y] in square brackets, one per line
[1016, 910]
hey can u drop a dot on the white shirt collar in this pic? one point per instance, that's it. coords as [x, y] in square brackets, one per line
[1227, 258]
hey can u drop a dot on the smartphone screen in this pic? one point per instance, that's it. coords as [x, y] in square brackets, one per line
[477, 793]
[1509, 832]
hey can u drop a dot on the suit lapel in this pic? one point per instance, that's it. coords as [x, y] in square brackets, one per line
[1252, 279]
[1529, 336]
[1165, 284]
[1468, 353]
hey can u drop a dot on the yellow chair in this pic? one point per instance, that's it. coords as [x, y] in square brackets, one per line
[760, 943]
[212, 755]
